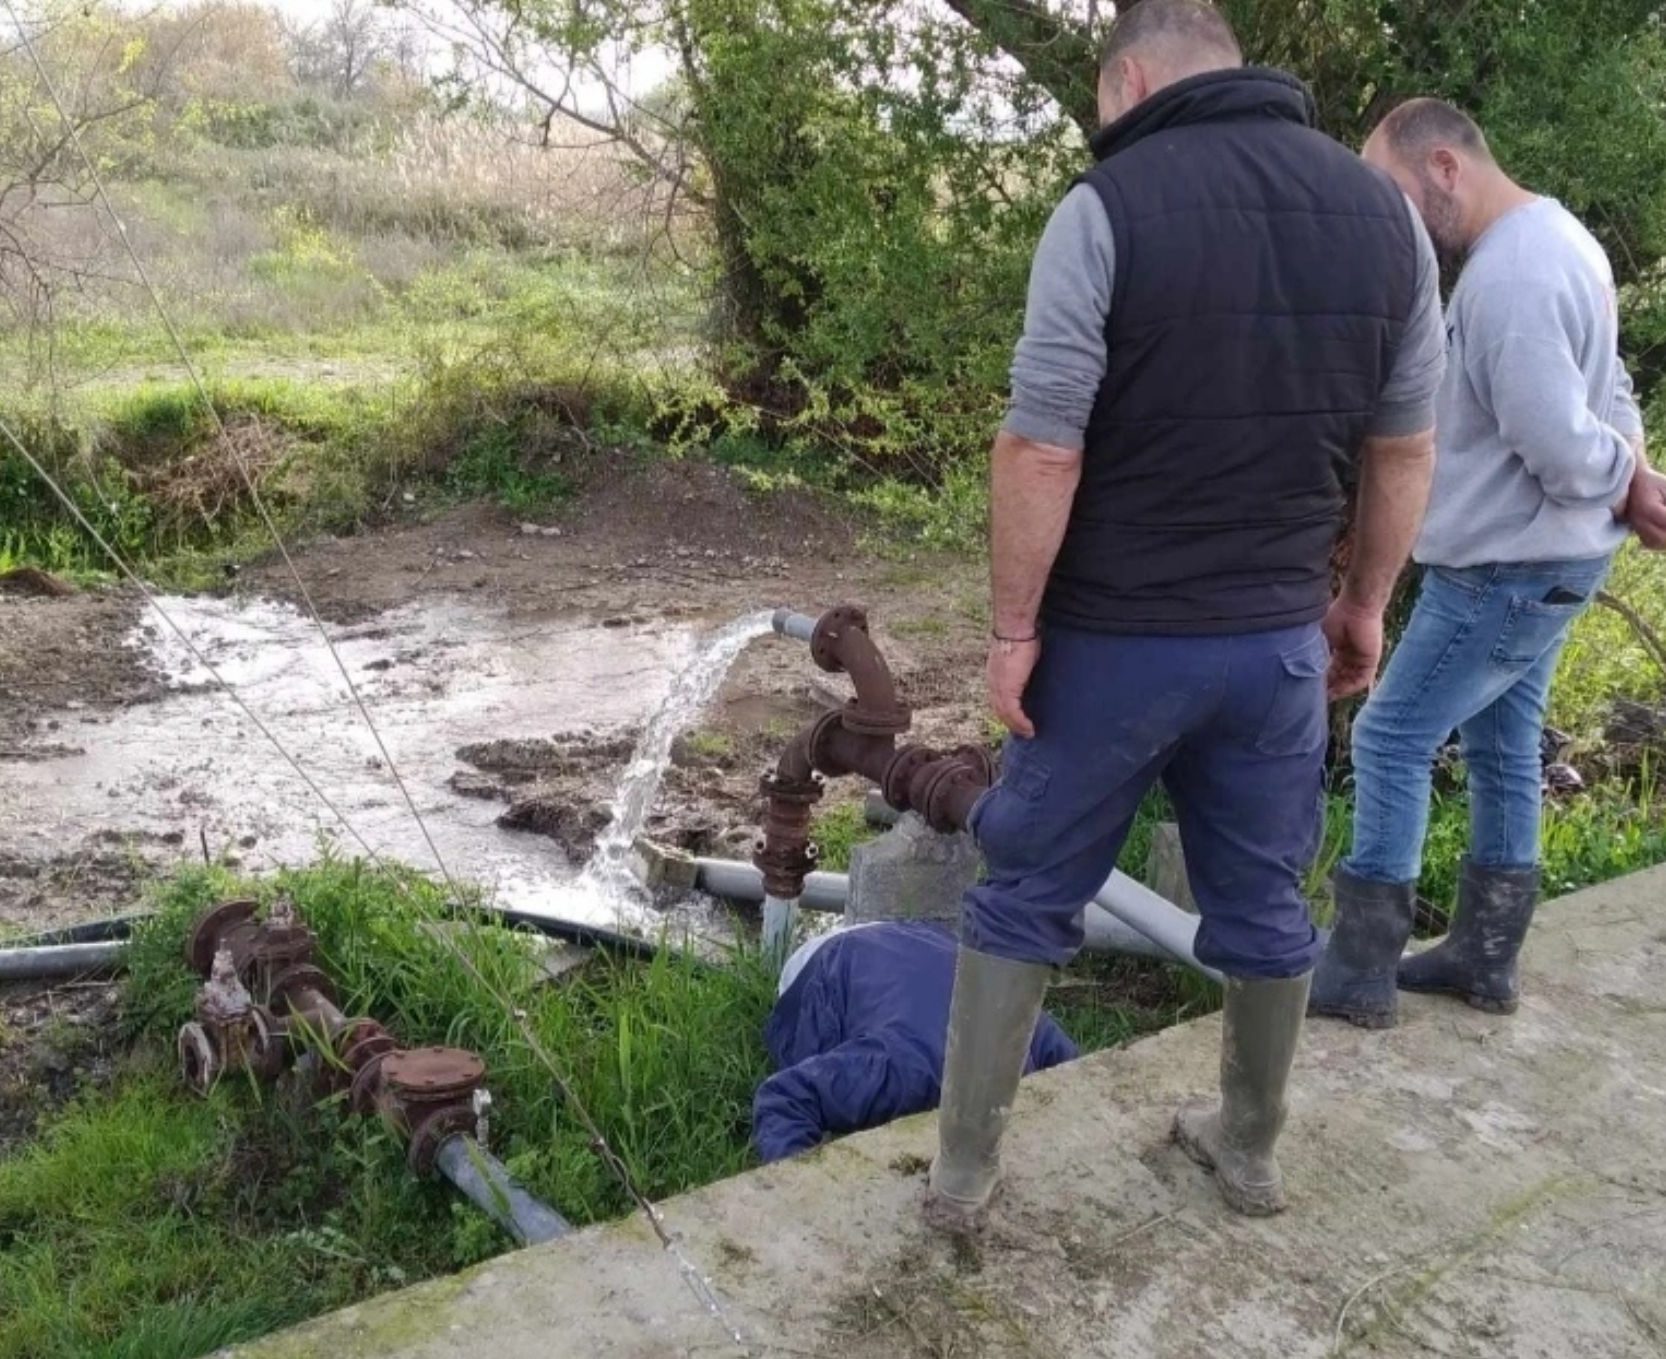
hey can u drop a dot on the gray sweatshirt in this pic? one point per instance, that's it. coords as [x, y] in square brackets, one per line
[1061, 358]
[1536, 416]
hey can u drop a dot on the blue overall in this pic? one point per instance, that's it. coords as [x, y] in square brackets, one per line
[859, 1037]
[1234, 727]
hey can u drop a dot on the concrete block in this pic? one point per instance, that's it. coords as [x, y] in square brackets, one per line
[1165, 868]
[660, 868]
[911, 873]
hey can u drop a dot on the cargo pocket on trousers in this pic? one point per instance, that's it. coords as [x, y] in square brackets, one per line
[1295, 721]
[1005, 820]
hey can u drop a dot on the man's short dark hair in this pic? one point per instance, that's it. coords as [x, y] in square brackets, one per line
[1418, 126]
[1184, 26]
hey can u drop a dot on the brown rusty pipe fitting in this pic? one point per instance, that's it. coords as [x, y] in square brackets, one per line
[264, 993]
[230, 1032]
[860, 738]
[434, 1098]
[840, 645]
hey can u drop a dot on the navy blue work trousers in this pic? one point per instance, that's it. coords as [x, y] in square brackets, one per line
[1233, 726]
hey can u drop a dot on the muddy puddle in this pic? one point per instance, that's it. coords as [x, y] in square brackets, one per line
[191, 768]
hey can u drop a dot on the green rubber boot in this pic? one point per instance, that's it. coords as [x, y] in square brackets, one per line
[1235, 1137]
[992, 1020]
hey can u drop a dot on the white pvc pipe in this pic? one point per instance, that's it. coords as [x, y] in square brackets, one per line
[1155, 917]
[1124, 918]
[780, 923]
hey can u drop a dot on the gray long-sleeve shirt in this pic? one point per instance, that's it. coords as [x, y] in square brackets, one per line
[1061, 358]
[1536, 416]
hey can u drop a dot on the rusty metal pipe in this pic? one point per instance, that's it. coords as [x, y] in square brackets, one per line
[840, 645]
[434, 1098]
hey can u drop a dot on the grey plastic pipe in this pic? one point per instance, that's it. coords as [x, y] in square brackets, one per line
[51, 962]
[1156, 917]
[742, 882]
[780, 920]
[486, 1182]
[1107, 930]
[789, 623]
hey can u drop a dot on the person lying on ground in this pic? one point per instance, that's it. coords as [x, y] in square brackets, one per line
[858, 1032]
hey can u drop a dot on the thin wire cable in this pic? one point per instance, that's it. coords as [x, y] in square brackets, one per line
[695, 1280]
[73, 133]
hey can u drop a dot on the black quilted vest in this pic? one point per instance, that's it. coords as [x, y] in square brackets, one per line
[1264, 275]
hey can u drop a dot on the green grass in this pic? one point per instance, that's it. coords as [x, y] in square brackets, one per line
[838, 831]
[143, 1222]
[147, 1225]
[1604, 833]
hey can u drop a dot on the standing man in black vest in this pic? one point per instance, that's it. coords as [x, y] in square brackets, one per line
[1230, 319]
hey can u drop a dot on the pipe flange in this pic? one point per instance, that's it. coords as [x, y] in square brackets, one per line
[433, 1132]
[797, 792]
[899, 775]
[980, 760]
[932, 800]
[821, 732]
[784, 867]
[295, 979]
[824, 641]
[199, 1063]
[204, 940]
[876, 721]
[268, 1044]
[366, 1082]
[361, 1039]
[432, 1075]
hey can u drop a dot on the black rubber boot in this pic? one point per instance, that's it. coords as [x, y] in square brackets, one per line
[992, 1020]
[1355, 977]
[1477, 959]
[1262, 1022]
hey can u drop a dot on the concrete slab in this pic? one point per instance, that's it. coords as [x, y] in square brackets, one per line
[1461, 1186]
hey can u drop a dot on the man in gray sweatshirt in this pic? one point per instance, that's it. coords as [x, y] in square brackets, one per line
[1539, 477]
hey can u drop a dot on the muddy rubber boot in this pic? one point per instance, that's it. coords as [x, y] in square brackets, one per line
[1235, 1138]
[1355, 979]
[992, 1020]
[1478, 958]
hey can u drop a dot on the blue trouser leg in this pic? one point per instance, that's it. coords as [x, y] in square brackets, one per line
[1478, 655]
[1052, 828]
[1501, 745]
[1247, 788]
[1238, 725]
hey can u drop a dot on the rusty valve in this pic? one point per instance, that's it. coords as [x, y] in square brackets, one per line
[265, 996]
[230, 1032]
[428, 1095]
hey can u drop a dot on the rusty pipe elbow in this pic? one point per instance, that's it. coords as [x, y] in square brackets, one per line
[795, 765]
[841, 645]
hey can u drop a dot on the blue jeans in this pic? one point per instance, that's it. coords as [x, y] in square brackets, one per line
[1233, 726]
[1477, 657]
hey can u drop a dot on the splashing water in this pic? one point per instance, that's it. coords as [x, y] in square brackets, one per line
[609, 873]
